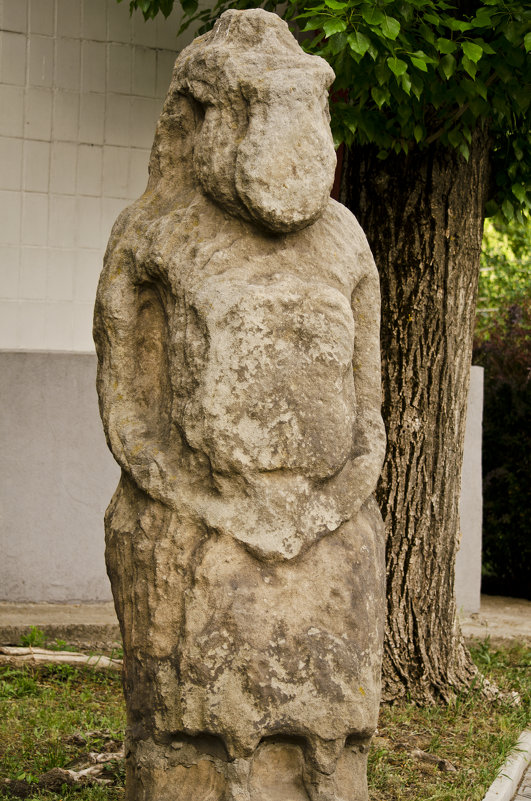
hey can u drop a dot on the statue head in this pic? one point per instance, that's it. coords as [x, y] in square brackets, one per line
[262, 147]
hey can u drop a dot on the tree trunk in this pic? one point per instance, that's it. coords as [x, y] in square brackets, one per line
[423, 216]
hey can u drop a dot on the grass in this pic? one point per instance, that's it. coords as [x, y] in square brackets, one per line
[41, 708]
[473, 734]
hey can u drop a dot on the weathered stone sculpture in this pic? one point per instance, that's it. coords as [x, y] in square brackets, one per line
[236, 327]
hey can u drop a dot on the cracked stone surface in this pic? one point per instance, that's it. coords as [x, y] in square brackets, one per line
[237, 332]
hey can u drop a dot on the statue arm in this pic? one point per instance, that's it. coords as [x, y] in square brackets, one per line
[134, 406]
[357, 480]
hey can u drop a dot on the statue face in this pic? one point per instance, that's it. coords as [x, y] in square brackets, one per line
[262, 147]
[278, 160]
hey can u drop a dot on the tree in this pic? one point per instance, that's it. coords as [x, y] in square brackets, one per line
[431, 99]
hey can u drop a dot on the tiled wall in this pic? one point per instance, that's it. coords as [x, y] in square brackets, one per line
[81, 87]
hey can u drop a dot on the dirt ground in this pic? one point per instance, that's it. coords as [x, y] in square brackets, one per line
[502, 619]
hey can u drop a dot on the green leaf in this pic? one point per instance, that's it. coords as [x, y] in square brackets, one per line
[379, 95]
[459, 25]
[335, 6]
[472, 51]
[464, 150]
[448, 65]
[372, 15]
[469, 66]
[314, 24]
[527, 42]
[418, 132]
[508, 209]
[417, 86]
[511, 31]
[338, 42]
[381, 72]
[519, 192]
[406, 83]
[481, 89]
[446, 45]
[396, 65]
[358, 43]
[420, 63]
[332, 26]
[189, 7]
[454, 138]
[390, 27]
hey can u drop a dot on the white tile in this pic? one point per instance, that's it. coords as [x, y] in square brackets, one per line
[86, 274]
[11, 110]
[119, 71]
[13, 58]
[63, 221]
[10, 163]
[118, 22]
[144, 71]
[8, 324]
[111, 208]
[40, 61]
[15, 16]
[144, 31]
[32, 282]
[115, 169]
[34, 219]
[63, 168]
[92, 119]
[30, 325]
[38, 113]
[9, 272]
[88, 222]
[67, 63]
[167, 30]
[42, 17]
[58, 326]
[144, 115]
[82, 314]
[138, 172]
[68, 20]
[60, 274]
[165, 62]
[117, 119]
[95, 19]
[10, 214]
[36, 166]
[65, 116]
[89, 170]
[93, 66]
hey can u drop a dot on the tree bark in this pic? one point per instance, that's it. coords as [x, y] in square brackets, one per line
[423, 216]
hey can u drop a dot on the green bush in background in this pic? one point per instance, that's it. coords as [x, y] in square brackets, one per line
[503, 348]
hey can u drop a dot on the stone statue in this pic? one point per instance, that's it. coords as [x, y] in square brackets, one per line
[236, 327]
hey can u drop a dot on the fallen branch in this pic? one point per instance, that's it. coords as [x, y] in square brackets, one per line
[11, 655]
[96, 769]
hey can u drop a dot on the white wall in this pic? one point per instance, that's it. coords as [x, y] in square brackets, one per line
[81, 88]
[57, 476]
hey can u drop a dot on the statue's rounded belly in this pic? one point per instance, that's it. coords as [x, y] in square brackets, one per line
[276, 389]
